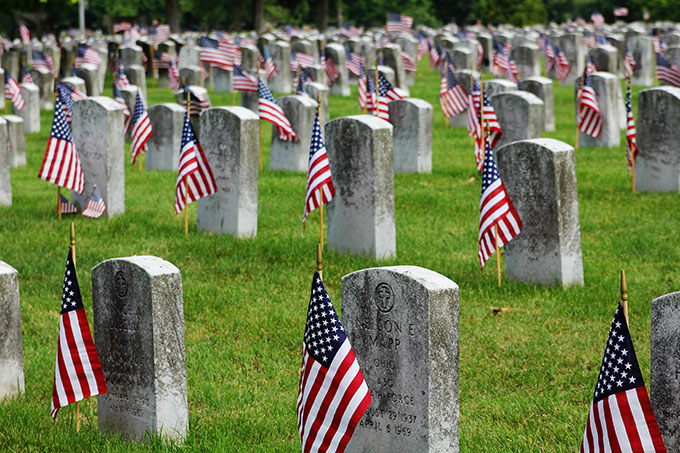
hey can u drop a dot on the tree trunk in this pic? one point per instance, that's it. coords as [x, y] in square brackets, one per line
[237, 8]
[258, 15]
[322, 15]
[172, 14]
[340, 18]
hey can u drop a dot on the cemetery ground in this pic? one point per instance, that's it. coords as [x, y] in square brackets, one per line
[527, 375]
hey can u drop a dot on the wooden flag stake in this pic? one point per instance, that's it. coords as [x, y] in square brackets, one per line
[319, 261]
[59, 201]
[377, 92]
[233, 97]
[498, 255]
[261, 160]
[318, 111]
[580, 95]
[73, 255]
[624, 294]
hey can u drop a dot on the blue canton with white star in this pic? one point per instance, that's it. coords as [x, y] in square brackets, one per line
[451, 80]
[629, 105]
[263, 92]
[490, 174]
[70, 298]
[139, 109]
[619, 371]
[317, 139]
[60, 129]
[383, 85]
[65, 95]
[324, 334]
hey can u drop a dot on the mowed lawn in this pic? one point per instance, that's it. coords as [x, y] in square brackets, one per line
[527, 375]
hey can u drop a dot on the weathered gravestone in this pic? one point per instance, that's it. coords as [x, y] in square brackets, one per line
[657, 166]
[664, 373]
[386, 71]
[289, 154]
[402, 322]
[280, 53]
[98, 136]
[137, 76]
[540, 178]
[316, 90]
[189, 56]
[90, 74]
[11, 350]
[2, 98]
[230, 140]
[642, 49]
[464, 77]
[606, 59]
[139, 333]
[497, 86]
[129, 94]
[75, 82]
[251, 63]
[223, 80]
[5, 181]
[542, 87]
[409, 45]
[528, 60]
[520, 115]
[392, 58]
[575, 51]
[191, 75]
[16, 139]
[31, 111]
[462, 58]
[44, 79]
[131, 55]
[340, 85]
[411, 135]
[607, 89]
[167, 121]
[361, 215]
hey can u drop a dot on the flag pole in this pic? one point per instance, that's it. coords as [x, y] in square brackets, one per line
[318, 99]
[73, 255]
[319, 261]
[629, 145]
[260, 135]
[186, 186]
[59, 201]
[580, 96]
[498, 255]
[377, 95]
[624, 294]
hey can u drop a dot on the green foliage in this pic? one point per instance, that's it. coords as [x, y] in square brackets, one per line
[515, 12]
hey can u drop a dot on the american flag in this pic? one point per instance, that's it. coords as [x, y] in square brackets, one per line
[26, 76]
[243, 81]
[232, 50]
[542, 41]
[620, 11]
[666, 71]
[588, 39]
[95, 207]
[127, 118]
[349, 31]
[61, 164]
[628, 62]
[141, 129]
[68, 95]
[77, 373]
[489, 121]
[621, 416]
[320, 188]
[423, 47]
[302, 78]
[213, 53]
[300, 59]
[159, 34]
[452, 95]
[361, 84]
[434, 56]
[549, 58]
[589, 117]
[329, 67]
[161, 60]
[122, 26]
[512, 73]
[195, 178]
[495, 211]
[198, 103]
[398, 23]
[25, 34]
[386, 94]
[333, 394]
[121, 79]
[87, 55]
[409, 64]
[268, 64]
[473, 124]
[353, 61]
[66, 206]
[631, 148]
[659, 44]
[500, 59]
[480, 54]
[42, 60]
[173, 76]
[591, 68]
[13, 92]
[562, 66]
[270, 111]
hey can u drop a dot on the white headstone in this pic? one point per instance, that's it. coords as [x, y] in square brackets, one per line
[289, 154]
[412, 135]
[11, 349]
[167, 121]
[31, 111]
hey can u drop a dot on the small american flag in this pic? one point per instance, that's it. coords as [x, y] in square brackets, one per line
[386, 94]
[300, 59]
[329, 370]
[590, 65]
[434, 56]
[66, 206]
[500, 59]
[159, 34]
[195, 178]
[542, 41]
[141, 129]
[78, 372]
[349, 31]
[495, 131]
[409, 64]
[13, 92]
[161, 60]
[68, 95]
[631, 148]
[26, 76]
[303, 77]
[268, 64]
[473, 124]
[397, 23]
[173, 76]
[25, 34]
[95, 207]
[562, 65]
[121, 79]
[320, 188]
[621, 416]
[628, 62]
[122, 26]
[597, 18]
[243, 81]
[198, 103]
[620, 11]
[549, 58]
[331, 71]
[42, 60]
[659, 44]
[270, 111]
[666, 71]
[361, 83]
[452, 95]
[512, 74]
[480, 54]
[495, 210]
[127, 118]
[352, 61]
[61, 164]
[589, 116]
[87, 55]
[212, 52]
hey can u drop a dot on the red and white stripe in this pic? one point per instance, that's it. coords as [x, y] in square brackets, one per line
[620, 423]
[562, 67]
[195, 178]
[631, 141]
[589, 118]
[669, 75]
[61, 165]
[13, 93]
[409, 64]
[94, 209]
[331, 71]
[361, 85]
[271, 112]
[141, 132]
[496, 208]
[127, 118]
[453, 101]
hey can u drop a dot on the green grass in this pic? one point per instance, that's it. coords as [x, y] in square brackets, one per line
[527, 376]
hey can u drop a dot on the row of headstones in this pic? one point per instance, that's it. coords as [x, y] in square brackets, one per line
[402, 321]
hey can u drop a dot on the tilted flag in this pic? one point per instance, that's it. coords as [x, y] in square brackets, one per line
[590, 65]
[631, 141]
[409, 63]
[159, 34]
[141, 129]
[198, 103]
[597, 18]
[397, 23]
[270, 111]
[349, 31]
[666, 71]
[173, 76]
[211, 52]
[161, 60]
[562, 66]
[500, 59]
[549, 58]
[386, 94]
[620, 11]
[621, 417]
[434, 56]
[42, 60]
[320, 188]
[25, 34]
[589, 119]
[361, 85]
[195, 178]
[494, 129]
[121, 79]
[628, 62]
[78, 372]
[588, 39]
[121, 27]
[659, 44]
[302, 78]
[512, 74]
[495, 211]
[329, 67]
[333, 394]
[452, 95]
[13, 92]
[61, 164]
[68, 95]
[480, 54]
[268, 64]
[66, 206]
[243, 81]
[352, 61]
[87, 55]
[95, 207]
[127, 118]
[474, 126]
[298, 59]
[25, 75]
